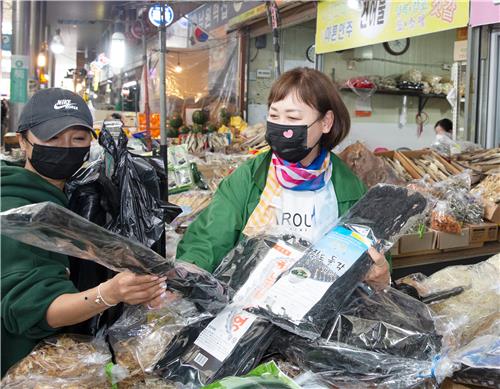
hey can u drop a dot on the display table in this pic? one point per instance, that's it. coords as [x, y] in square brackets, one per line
[424, 263]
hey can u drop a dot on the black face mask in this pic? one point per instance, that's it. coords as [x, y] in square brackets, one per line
[289, 142]
[58, 163]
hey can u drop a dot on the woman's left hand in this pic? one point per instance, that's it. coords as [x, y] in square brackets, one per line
[379, 275]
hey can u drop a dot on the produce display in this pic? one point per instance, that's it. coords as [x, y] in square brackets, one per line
[370, 168]
[489, 188]
[65, 361]
[430, 164]
[398, 169]
[192, 203]
[486, 161]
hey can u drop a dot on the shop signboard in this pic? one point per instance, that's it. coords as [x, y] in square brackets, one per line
[347, 24]
[484, 12]
[213, 15]
[19, 79]
[155, 16]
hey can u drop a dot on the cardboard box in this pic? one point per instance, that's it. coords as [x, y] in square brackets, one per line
[394, 251]
[486, 232]
[492, 212]
[413, 243]
[447, 241]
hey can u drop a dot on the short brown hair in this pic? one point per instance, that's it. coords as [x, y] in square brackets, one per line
[319, 92]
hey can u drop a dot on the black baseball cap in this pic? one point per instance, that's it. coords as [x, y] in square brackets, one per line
[51, 111]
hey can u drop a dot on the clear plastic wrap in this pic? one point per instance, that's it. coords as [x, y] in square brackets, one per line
[65, 361]
[443, 219]
[338, 365]
[268, 375]
[54, 228]
[387, 321]
[469, 322]
[309, 295]
[141, 336]
[235, 340]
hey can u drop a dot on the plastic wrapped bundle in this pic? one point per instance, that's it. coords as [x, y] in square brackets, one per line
[310, 294]
[341, 364]
[54, 228]
[62, 362]
[387, 321]
[267, 375]
[235, 340]
[140, 337]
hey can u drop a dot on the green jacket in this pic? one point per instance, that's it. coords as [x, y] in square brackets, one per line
[219, 227]
[31, 278]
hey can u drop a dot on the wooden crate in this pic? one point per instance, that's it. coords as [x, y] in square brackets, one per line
[396, 155]
[408, 155]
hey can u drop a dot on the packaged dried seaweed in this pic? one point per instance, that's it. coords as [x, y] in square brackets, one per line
[54, 228]
[387, 321]
[141, 336]
[235, 340]
[65, 361]
[305, 298]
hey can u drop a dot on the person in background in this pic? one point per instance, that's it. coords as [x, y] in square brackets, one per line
[38, 298]
[444, 127]
[299, 185]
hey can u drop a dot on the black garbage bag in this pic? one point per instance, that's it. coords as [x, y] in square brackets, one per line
[309, 295]
[387, 321]
[142, 215]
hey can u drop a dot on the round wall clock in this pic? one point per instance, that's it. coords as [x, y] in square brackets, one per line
[311, 53]
[398, 46]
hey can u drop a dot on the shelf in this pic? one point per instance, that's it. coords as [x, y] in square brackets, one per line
[422, 97]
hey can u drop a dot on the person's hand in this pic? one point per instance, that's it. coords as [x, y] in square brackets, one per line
[379, 275]
[162, 300]
[130, 288]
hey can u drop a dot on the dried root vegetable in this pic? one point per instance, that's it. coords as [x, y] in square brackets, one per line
[483, 160]
[489, 188]
[62, 362]
[398, 169]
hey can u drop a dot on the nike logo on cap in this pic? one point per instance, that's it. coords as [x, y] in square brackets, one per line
[65, 104]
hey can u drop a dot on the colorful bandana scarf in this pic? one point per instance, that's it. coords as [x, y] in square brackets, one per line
[292, 176]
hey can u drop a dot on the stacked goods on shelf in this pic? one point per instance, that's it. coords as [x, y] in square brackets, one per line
[489, 190]
[399, 164]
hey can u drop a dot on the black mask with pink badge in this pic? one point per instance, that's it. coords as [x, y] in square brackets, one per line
[289, 142]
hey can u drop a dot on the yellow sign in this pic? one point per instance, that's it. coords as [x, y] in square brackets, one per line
[345, 24]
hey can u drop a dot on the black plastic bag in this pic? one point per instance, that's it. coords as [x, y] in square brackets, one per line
[387, 321]
[142, 214]
[310, 294]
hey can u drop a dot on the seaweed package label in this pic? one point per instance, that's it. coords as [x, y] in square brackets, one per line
[303, 286]
[218, 340]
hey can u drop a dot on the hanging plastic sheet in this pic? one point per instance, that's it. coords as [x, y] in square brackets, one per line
[198, 86]
[235, 340]
[310, 294]
[54, 228]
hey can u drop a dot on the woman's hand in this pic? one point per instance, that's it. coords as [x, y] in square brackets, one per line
[379, 275]
[130, 288]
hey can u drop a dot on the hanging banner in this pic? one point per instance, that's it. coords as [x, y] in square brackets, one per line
[347, 24]
[484, 12]
[19, 79]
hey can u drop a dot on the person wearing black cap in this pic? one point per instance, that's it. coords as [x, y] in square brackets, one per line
[55, 131]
